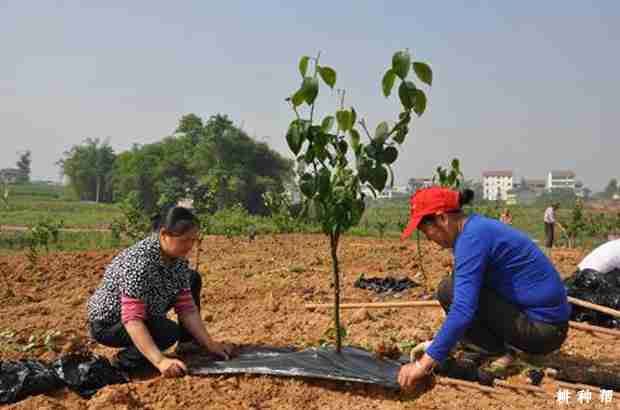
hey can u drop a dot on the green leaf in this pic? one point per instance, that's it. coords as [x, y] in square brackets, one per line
[364, 171]
[328, 75]
[389, 155]
[424, 72]
[295, 136]
[401, 61]
[388, 82]
[303, 65]
[343, 147]
[327, 124]
[307, 185]
[324, 183]
[419, 104]
[456, 165]
[298, 98]
[378, 177]
[309, 156]
[407, 94]
[318, 136]
[373, 150]
[310, 89]
[401, 133]
[344, 120]
[355, 139]
[353, 118]
[381, 132]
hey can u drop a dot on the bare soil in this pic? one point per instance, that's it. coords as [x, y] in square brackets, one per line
[254, 292]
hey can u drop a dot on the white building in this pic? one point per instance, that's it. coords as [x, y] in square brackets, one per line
[563, 179]
[419, 183]
[496, 184]
[387, 193]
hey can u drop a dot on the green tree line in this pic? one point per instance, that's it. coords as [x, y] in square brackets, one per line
[201, 158]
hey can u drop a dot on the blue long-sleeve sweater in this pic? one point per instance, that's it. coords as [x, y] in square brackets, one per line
[494, 255]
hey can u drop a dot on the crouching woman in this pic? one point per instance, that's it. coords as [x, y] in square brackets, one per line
[504, 294]
[141, 284]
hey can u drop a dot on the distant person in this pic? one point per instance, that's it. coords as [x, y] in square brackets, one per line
[506, 217]
[141, 284]
[504, 293]
[603, 259]
[549, 220]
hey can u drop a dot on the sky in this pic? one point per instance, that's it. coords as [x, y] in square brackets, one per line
[528, 86]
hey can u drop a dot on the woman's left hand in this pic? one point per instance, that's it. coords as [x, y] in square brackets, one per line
[409, 375]
[224, 350]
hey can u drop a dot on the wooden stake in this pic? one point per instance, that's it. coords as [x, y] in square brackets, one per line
[382, 305]
[433, 303]
[447, 381]
[519, 386]
[603, 309]
[595, 329]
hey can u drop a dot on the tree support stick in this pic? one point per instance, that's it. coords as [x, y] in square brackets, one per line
[433, 303]
[593, 306]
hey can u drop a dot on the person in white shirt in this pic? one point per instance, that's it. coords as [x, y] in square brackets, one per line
[604, 259]
[549, 220]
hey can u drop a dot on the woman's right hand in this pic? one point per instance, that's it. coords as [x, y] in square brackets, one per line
[172, 367]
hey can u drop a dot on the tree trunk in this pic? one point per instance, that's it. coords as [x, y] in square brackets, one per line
[334, 239]
[198, 248]
[98, 189]
[420, 260]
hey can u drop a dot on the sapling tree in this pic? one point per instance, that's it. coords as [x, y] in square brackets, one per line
[449, 177]
[576, 226]
[338, 162]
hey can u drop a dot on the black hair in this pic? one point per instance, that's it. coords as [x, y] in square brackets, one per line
[466, 196]
[176, 221]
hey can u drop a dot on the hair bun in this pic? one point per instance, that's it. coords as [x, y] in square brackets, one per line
[466, 196]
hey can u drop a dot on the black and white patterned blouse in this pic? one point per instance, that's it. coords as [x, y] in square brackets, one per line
[139, 272]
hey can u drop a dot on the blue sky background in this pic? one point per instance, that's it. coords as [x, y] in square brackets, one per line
[529, 86]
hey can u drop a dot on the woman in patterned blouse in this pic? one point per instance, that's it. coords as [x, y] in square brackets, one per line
[140, 286]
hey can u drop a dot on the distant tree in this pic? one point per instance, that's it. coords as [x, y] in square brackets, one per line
[611, 189]
[215, 157]
[89, 167]
[23, 164]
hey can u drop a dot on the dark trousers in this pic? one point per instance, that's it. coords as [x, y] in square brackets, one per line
[163, 331]
[499, 324]
[549, 232]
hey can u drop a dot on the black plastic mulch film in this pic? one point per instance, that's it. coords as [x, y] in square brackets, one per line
[599, 288]
[82, 373]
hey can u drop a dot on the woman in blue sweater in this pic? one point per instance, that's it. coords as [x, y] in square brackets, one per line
[504, 292]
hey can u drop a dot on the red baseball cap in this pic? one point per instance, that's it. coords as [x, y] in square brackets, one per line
[430, 201]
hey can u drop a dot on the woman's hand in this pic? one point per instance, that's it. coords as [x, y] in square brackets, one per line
[410, 374]
[171, 367]
[223, 350]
